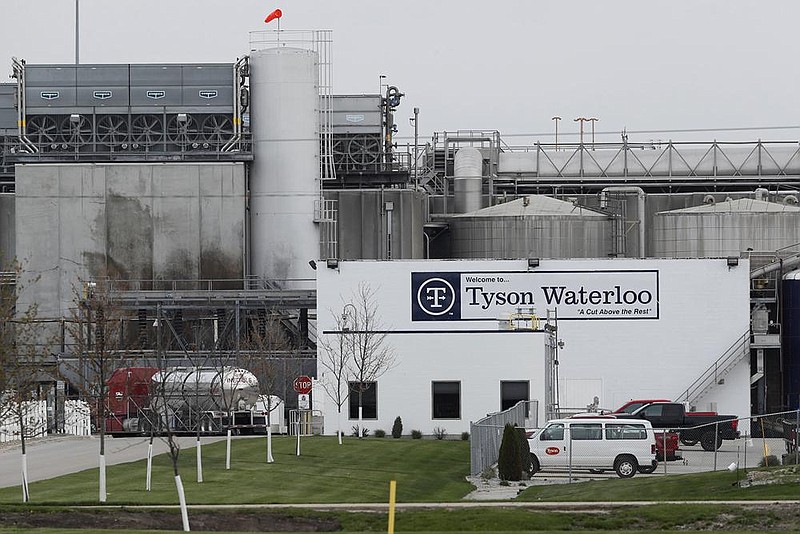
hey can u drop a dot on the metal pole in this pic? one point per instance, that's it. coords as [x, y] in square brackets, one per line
[593, 120]
[77, 32]
[555, 120]
[716, 439]
[416, 146]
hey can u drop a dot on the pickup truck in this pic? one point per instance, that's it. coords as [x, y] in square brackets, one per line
[709, 430]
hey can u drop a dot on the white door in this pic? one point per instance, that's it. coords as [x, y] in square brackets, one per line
[550, 446]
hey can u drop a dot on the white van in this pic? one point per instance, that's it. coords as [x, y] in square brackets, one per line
[595, 444]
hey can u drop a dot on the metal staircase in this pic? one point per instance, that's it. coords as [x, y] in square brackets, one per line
[715, 373]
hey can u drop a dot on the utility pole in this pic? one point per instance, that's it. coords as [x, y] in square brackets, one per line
[555, 120]
[581, 120]
[593, 120]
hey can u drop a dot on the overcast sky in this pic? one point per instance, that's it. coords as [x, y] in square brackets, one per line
[507, 65]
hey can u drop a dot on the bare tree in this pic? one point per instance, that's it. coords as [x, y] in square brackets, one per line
[95, 329]
[21, 346]
[260, 354]
[333, 363]
[365, 339]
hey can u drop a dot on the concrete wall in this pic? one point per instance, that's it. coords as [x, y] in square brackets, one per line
[7, 228]
[692, 312]
[127, 221]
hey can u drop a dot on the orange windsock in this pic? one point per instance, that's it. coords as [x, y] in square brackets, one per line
[274, 15]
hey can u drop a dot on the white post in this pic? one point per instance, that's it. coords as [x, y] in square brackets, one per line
[149, 466]
[228, 451]
[26, 496]
[199, 462]
[270, 459]
[182, 500]
[339, 424]
[102, 478]
[298, 434]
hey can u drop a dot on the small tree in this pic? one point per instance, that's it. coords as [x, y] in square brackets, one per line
[333, 362]
[20, 356]
[509, 466]
[365, 339]
[95, 331]
[397, 428]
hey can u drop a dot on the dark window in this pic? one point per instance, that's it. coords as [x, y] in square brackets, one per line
[512, 392]
[583, 431]
[446, 400]
[369, 399]
[654, 410]
[554, 432]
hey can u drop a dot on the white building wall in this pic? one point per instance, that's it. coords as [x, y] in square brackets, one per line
[698, 308]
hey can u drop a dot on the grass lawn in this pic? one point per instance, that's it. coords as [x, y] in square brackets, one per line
[719, 485]
[357, 471]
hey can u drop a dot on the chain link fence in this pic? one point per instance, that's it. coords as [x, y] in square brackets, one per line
[591, 448]
[486, 434]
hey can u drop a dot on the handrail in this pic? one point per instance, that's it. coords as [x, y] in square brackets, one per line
[711, 373]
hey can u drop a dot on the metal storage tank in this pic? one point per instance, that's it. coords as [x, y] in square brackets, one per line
[533, 226]
[790, 338]
[725, 228]
[284, 178]
[380, 223]
[468, 179]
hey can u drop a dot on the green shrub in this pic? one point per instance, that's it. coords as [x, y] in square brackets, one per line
[769, 461]
[524, 452]
[416, 434]
[380, 433]
[509, 466]
[364, 434]
[793, 458]
[488, 473]
[440, 433]
[397, 428]
[465, 436]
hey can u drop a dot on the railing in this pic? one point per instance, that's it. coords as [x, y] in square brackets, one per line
[486, 434]
[207, 285]
[717, 369]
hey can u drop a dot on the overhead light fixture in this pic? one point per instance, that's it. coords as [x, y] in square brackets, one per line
[332, 263]
[533, 263]
[733, 261]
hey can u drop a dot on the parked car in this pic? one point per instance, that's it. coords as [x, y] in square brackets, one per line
[595, 444]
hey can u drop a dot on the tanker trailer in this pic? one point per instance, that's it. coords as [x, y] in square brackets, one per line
[181, 398]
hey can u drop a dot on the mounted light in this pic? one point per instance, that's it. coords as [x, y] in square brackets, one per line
[733, 261]
[533, 263]
[313, 264]
[332, 263]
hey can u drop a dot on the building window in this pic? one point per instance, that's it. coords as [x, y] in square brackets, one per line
[446, 400]
[511, 392]
[369, 399]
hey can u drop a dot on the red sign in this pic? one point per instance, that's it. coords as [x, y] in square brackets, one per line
[302, 384]
[552, 451]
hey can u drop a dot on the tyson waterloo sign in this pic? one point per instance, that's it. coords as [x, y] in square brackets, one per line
[575, 295]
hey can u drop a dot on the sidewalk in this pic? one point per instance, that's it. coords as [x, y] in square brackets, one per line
[54, 456]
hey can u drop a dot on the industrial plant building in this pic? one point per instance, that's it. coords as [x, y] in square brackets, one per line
[225, 199]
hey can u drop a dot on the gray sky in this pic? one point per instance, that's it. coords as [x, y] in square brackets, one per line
[508, 65]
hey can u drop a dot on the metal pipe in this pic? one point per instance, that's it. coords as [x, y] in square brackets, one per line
[77, 32]
[640, 198]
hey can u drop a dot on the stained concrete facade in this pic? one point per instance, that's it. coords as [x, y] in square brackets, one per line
[78, 222]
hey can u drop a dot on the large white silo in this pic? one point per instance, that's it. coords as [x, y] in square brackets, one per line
[284, 182]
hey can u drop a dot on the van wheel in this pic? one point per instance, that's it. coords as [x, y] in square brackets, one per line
[626, 466]
[534, 464]
[708, 442]
[688, 442]
[647, 469]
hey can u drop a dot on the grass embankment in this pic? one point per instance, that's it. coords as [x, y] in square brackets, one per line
[358, 471]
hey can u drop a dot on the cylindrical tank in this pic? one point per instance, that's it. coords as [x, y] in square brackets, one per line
[725, 229]
[206, 388]
[534, 226]
[284, 180]
[790, 338]
[468, 179]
